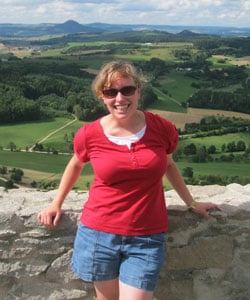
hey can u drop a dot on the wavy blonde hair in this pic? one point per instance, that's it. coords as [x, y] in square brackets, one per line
[110, 71]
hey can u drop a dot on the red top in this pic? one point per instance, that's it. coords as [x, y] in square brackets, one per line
[127, 195]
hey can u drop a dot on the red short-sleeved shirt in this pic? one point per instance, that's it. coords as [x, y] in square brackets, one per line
[127, 195]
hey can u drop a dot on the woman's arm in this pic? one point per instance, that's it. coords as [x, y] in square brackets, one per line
[51, 215]
[176, 180]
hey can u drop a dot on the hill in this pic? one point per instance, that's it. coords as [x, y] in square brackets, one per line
[71, 26]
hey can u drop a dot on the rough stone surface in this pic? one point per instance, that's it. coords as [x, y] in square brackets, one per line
[205, 259]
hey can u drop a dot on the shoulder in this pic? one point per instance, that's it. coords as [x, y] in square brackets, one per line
[87, 128]
[83, 138]
[164, 130]
[158, 121]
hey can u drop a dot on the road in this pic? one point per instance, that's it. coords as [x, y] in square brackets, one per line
[52, 133]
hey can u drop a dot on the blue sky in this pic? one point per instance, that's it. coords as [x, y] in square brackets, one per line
[160, 12]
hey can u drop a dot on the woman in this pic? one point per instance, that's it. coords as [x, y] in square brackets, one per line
[119, 245]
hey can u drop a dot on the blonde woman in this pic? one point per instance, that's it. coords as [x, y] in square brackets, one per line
[119, 245]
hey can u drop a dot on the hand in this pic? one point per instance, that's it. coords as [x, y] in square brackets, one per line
[203, 208]
[50, 216]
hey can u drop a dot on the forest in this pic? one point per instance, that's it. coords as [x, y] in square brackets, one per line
[38, 88]
[46, 82]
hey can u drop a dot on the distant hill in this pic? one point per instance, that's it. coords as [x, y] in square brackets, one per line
[72, 27]
[188, 33]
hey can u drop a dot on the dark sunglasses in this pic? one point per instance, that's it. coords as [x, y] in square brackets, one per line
[125, 91]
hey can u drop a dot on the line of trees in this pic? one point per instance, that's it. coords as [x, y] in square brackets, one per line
[203, 153]
[190, 178]
[217, 125]
[10, 177]
[44, 88]
[237, 46]
[238, 101]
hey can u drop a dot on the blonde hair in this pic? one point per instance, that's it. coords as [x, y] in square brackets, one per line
[108, 73]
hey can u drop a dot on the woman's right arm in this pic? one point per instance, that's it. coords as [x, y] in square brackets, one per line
[51, 215]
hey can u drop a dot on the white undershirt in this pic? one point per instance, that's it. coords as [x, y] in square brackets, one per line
[126, 140]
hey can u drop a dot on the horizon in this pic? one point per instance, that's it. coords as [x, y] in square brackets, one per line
[218, 13]
[123, 24]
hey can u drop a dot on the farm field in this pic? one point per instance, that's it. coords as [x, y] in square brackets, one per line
[241, 61]
[52, 133]
[173, 89]
[217, 141]
[27, 134]
[194, 115]
[43, 166]
[39, 167]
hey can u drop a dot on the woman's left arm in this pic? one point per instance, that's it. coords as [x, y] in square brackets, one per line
[176, 180]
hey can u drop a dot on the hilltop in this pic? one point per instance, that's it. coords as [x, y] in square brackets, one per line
[71, 26]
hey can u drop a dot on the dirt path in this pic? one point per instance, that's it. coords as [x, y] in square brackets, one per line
[52, 133]
[164, 95]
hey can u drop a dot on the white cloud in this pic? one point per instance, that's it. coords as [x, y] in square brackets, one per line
[246, 5]
[172, 12]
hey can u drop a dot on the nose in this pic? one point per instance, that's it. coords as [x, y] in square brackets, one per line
[119, 96]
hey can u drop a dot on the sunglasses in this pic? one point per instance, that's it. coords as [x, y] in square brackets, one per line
[125, 91]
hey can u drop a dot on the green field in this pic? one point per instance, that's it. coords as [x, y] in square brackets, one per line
[217, 141]
[48, 163]
[231, 169]
[40, 167]
[173, 90]
[26, 135]
[37, 161]
[50, 167]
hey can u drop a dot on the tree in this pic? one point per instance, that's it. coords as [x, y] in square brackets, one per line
[16, 174]
[190, 149]
[148, 97]
[38, 147]
[231, 147]
[9, 184]
[211, 149]
[241, 146]
[3, 170]
[188, 172]
[12, 146]
[201, 155]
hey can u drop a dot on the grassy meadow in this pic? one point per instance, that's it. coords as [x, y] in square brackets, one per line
[173, 89]
[218, 141]
[27, 134]
[44, 166]
[49, 167]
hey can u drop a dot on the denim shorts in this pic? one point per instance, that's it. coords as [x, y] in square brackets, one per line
[135, 260]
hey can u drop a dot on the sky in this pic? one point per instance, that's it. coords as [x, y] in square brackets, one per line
[151, 12]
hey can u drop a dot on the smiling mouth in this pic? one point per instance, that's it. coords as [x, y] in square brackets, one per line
[121, 107]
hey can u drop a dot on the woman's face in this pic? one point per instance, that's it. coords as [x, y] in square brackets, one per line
[121, 97]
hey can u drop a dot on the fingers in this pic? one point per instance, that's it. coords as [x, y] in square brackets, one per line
[44, 219]
[205, 208]
[217, 207]
[205, 214]
[201, 211]
[48, 219]
[56, 219]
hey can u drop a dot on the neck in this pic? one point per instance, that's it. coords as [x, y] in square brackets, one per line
[123, 127]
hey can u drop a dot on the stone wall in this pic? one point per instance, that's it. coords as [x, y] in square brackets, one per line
[206, 259]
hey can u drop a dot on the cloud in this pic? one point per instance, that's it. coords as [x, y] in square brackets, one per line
[171, 12]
